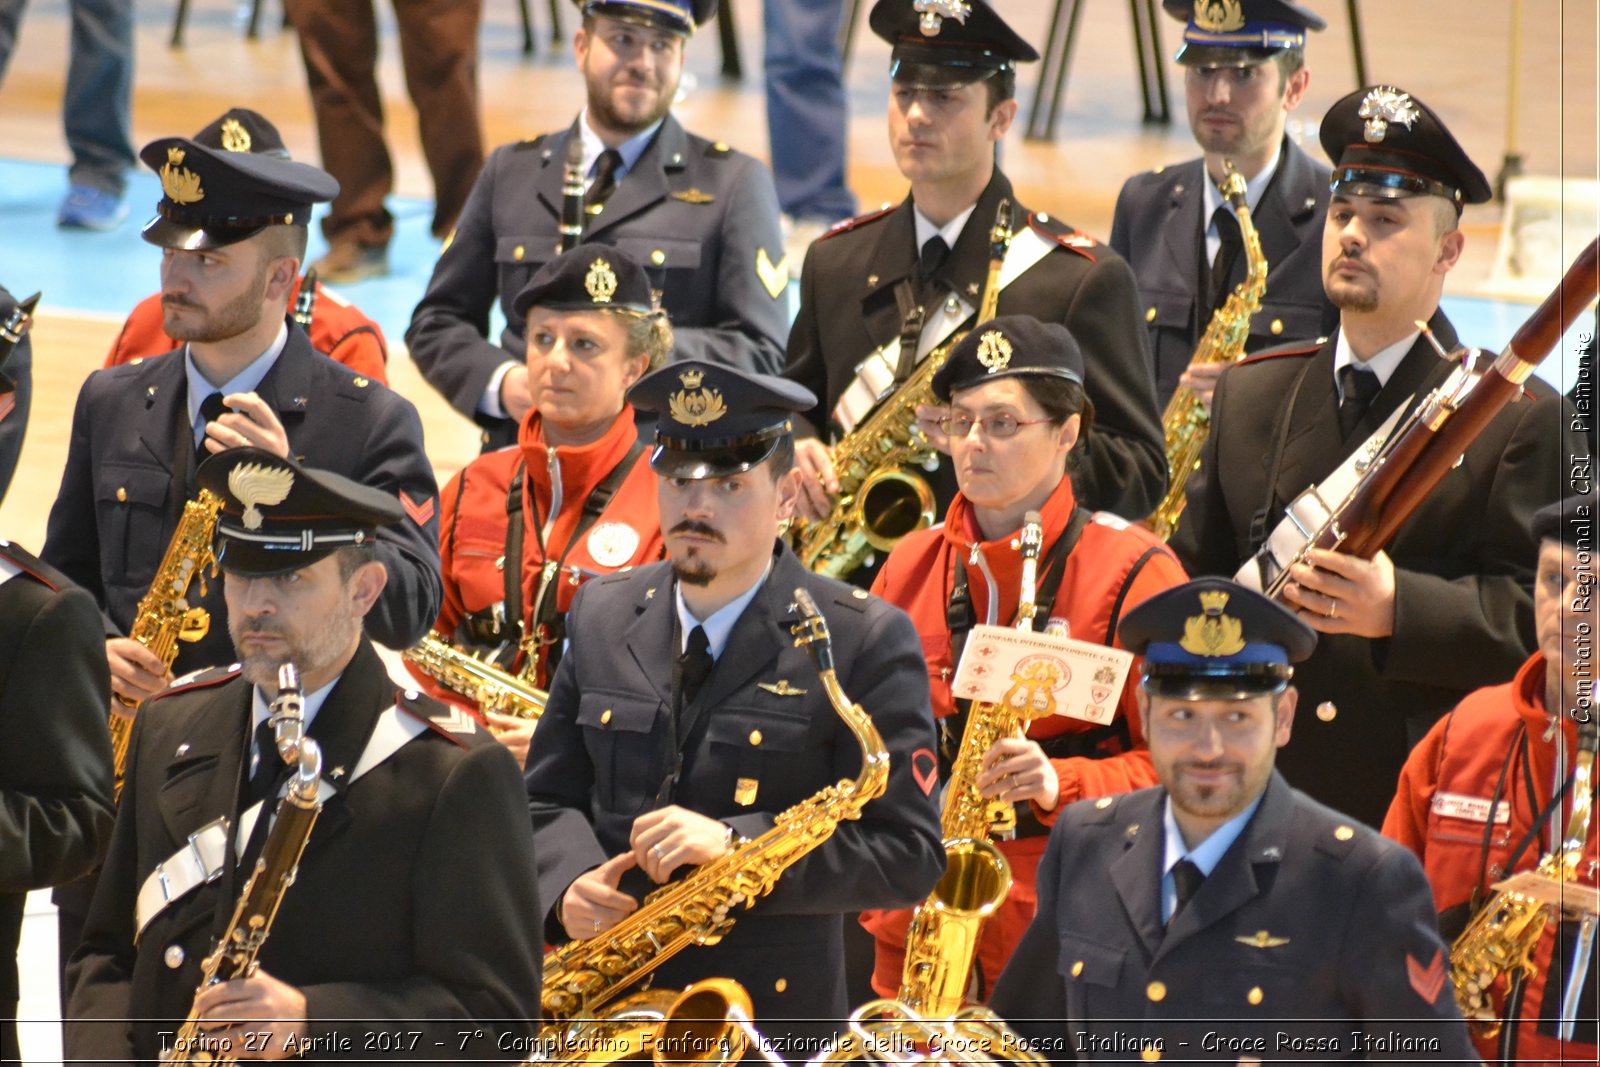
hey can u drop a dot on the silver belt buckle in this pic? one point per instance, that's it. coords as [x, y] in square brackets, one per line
[211, 874]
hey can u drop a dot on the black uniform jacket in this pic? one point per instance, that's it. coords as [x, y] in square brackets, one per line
[701, 218]
[848, 310]
[1159, 228]
[414, 911]
[55, 752]
[599, 756]
[1464, 562]
[130, 469]
[1313, 939]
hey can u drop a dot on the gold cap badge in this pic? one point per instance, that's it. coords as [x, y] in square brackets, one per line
[934, 12]
[235, 138]
[694, 406]
[1212, 633]
[1219, 16]
[257, 485]
[1384, 105]
[994, 351]
[600, 282]
[181, 185]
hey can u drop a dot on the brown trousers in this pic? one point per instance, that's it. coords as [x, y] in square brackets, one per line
[439, 51]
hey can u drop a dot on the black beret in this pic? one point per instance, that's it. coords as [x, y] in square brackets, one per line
[219, 187]
[941, 44]
[1239, 33]
[678, 16]
[587, 278]
[1008, 346]
[1385, 142]
[1215, 639]
[713, 420]
[278, 516]
[1570, 521]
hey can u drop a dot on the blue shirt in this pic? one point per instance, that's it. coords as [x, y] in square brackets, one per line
[245, 381]
[1205, 856]
[630, 150]
[720, 625]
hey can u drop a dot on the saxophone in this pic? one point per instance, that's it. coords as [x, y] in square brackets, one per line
[164, 616]
[707, 1025]
[492, 689]
[942, 941]
[887, 1031]
[1501, 938]
[1186, 421]
[880, 498]
[584, 975]
[237, 951]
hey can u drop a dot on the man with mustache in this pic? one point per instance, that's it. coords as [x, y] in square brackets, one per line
[401, 933]
[701, 217]
[1243, 73]
[1224, 912]
[683, 720]
[1448, 606]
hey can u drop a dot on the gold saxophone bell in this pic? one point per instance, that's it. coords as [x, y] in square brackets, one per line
[709, 1024]
[887, 1031]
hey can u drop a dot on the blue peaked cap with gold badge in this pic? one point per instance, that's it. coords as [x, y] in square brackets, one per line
[278, 516]
[713, 420]
[229, 182]
[677, 16]
[587, 278]
[1239, 33]
[1008, 346]
[1212, 639]
[1384, 142]
[944, 44]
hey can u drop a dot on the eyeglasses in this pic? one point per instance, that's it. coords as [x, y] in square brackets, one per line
[1002, 425]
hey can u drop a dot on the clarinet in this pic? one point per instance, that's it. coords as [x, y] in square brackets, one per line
[305, 305]
[572, 186]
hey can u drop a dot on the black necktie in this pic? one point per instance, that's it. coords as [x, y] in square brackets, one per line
[1227, 251]
[696, 664]
[1358, 387]
[211, 409]
[1186, 877]
[605, 178]
[269, 765]
[934, 252]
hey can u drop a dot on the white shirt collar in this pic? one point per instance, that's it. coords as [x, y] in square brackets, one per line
[720, 625]
[1382, 364]
[1205, 856]
[245, 381]
[950, 231]
[261, 709]
[1254, 189]
[630, 150]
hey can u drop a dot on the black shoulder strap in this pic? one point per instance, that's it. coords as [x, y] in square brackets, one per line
[511, 562]
[1122, 594]
[912, 317]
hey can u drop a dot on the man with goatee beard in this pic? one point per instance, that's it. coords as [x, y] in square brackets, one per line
[1448, 607]
[684, 719]
[701, 217]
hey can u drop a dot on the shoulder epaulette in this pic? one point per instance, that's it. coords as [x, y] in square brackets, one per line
[28, 564]
[1073, 240]
[1337, 839]
[446, 720]
[1294, 348]
[718, 150]
[1098, 810]
[531, 142]
[1106, 518]
[856, 599]
[200, 679]
[860, 220]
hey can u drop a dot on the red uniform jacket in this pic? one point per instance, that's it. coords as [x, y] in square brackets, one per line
[338, 328]
[919, 576]
[1440, 813]
[472, 523]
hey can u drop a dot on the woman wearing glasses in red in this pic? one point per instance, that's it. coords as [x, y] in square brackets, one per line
[1016, 411]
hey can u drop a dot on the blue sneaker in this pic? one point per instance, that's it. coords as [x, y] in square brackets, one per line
[88, 208]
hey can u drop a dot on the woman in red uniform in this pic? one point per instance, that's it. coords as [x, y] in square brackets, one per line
[1017, 409]
[575, 497]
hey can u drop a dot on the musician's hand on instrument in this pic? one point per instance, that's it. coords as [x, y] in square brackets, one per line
[668, 838]
[512, 732]
[818, 480]
[514, 395]
[1016, 769]
[592, 904]
[928, 416]
[1201, 379]
[258, 1018]
[136, 672]
[1340, 594]
[250, 421]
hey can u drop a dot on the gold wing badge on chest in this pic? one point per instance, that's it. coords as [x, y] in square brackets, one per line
[781, 688]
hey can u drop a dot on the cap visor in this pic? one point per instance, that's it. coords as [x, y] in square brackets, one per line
[671, 462]
[1213, 688]
[164, 233]
[914, 75]
[1221, 55]
[260, 561]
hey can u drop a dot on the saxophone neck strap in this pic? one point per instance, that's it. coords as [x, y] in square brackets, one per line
[205, 856]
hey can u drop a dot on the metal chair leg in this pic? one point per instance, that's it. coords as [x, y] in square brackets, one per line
[1357, 45]
[252, 29]
[556, 35]
[847, 35]
[732, 68]
[1059, 89]
[1046, 63]
[179, 17]
[527, 27]
[1152, 75]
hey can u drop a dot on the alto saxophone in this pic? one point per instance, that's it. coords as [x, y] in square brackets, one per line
[942, 941]
[492, 689]
[1186, 421]
[709, 1024]
[881, 499]
[237, 952]
[1501, 938]
[584, 975]
[164, 616]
